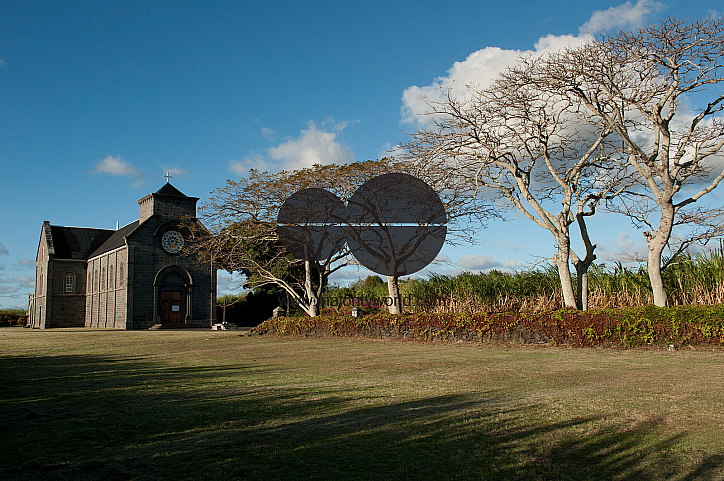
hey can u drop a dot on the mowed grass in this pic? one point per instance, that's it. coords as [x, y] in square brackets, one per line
[115, 405]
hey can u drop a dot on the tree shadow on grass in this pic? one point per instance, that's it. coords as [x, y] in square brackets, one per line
[94, 417]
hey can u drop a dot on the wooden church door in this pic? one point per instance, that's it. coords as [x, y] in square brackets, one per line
[172, 308]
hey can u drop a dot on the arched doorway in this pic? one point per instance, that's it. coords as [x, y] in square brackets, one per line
[172, 296]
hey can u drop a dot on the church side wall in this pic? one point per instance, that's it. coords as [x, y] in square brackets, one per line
[106, 296]
[66, 285]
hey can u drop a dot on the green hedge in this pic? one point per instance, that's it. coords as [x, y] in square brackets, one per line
[649, 326]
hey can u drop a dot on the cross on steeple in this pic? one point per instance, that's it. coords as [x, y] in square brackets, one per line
[168, 177]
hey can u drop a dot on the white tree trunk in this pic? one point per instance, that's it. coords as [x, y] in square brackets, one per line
[564, 273]
[656, 247]
[312, 307]
[656, 243]
[394, 292]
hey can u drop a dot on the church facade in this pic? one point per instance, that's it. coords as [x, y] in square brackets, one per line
[134, 277]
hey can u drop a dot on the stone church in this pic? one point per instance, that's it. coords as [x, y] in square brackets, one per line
[134, 277]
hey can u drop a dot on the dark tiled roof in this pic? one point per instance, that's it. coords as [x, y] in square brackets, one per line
[169, 189]
[116, 240]
[77, 242]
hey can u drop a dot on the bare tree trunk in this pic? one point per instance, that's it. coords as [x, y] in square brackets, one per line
[656, 247]
[394, 292]
[313, 309]
[582, 285]
[582, 265]
[656, 243]
[564, 273]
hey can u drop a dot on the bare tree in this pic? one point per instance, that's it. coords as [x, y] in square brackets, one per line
[658, 89]
[533, 149]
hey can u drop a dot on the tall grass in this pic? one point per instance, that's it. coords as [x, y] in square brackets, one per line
[690, 279]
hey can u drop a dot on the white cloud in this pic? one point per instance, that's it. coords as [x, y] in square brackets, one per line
[26, 263]
[3, 65]
[120, 167]
[3, 249]
[313, 146]
[478, 70]
[481, 67]
[624, 16]
[478, 262]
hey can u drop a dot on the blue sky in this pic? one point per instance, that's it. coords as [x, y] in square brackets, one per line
[99, 99]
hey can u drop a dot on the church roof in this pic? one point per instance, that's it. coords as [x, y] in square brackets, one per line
[77, 242]
[116, 240]
[169, 189]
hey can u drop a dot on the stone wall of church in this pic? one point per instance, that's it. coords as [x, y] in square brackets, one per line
[38, 305]
[106, 292]
[66, 288]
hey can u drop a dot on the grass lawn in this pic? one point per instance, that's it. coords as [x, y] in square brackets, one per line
[115, 405]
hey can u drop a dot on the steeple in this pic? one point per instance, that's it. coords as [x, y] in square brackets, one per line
[168, 202]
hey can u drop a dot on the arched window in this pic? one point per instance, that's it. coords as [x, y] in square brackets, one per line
[40, 286]
[96, 280]
[120, 275]
[103, 278]
[69, 283]
[111, 278]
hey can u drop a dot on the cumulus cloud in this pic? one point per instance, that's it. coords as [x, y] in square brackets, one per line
[115, 165]
[482, 66]
[478, 70]
[314, 145]
[624, 16]
[3, 249]
[478, 263]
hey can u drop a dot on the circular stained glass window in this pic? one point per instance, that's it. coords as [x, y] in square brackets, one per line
[172, 242]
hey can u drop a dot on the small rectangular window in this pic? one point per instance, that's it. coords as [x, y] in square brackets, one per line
[69, 283]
